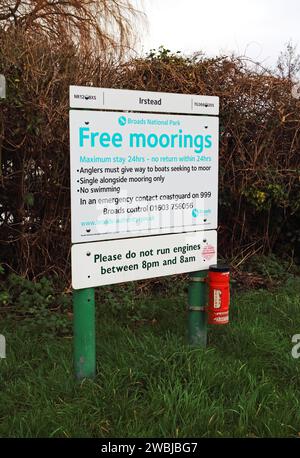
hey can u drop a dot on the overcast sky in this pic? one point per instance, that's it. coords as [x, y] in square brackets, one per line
[257, 28]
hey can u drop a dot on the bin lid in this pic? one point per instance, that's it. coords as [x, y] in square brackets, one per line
[219, 268]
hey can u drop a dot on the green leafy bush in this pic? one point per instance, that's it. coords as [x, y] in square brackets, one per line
[38, 303]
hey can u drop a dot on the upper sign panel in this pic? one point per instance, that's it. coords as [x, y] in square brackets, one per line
[121, 99]
[135, 174]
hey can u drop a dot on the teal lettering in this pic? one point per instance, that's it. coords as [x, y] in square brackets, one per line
[82, 135]
[136, 139]
[208, 141]
[104, 140]
[117, 140]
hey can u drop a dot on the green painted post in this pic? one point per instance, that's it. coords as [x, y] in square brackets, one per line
[197, 316]
[84, 333]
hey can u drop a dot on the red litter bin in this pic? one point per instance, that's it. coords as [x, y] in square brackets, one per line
[219, 294]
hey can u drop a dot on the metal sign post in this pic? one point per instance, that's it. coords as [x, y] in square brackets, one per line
[84, 332]
[197, 301]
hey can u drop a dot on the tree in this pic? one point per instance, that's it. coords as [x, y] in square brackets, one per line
[103, 24]
[288, 62]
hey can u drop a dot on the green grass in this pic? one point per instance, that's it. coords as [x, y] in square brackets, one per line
[150, 383]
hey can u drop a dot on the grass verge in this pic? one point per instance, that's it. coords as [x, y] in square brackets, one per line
[150, 383]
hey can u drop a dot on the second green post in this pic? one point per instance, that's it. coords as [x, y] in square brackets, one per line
[197, 316]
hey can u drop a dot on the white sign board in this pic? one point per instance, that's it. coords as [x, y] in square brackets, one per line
[106, 263]
[164, 102]
[135, 174]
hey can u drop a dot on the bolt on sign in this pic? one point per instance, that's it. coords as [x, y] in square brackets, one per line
[144, 184]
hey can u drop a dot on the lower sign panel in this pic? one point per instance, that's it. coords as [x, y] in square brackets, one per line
[109, 262]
